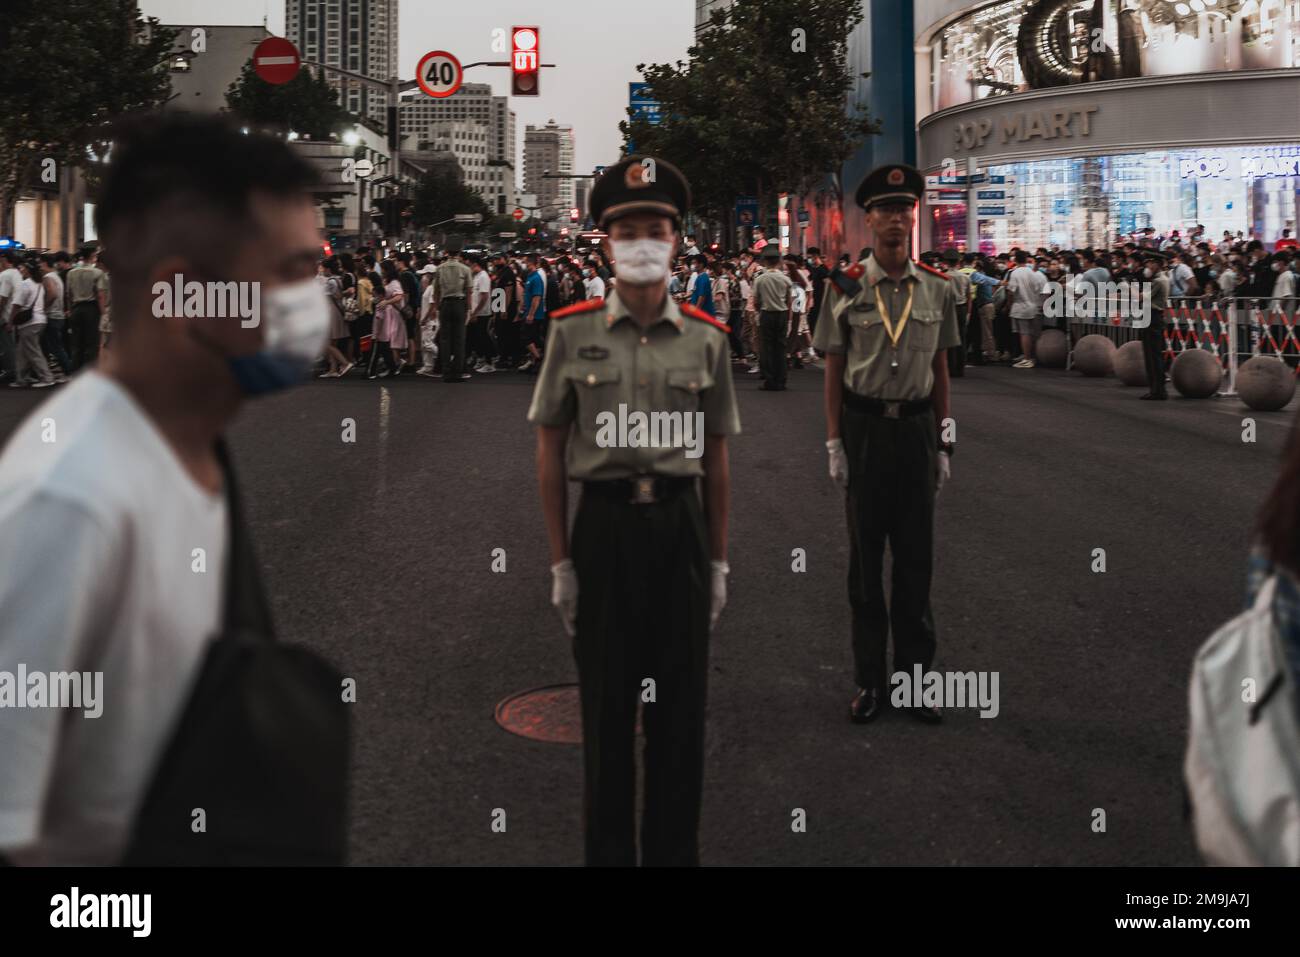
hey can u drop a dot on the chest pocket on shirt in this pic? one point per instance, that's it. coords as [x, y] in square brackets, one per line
[596, 387]
[923, 329]
[684, 388]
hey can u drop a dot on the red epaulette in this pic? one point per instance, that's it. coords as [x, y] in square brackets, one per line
[931, 269]
[696, 313]
[587, 305]
[855, 271]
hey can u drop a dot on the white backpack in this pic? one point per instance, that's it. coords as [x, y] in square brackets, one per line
[1243, 757]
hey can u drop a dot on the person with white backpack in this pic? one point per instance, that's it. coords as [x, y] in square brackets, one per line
[1242, 767]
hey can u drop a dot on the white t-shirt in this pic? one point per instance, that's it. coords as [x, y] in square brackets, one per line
[9, 280]
[1027, 288]
[30, 296]
[594, 288]
[100, 575]
[483, 287]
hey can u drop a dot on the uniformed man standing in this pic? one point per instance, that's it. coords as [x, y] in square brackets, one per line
[886, 336]
[773, 295]
[961, 286]
[1153, 336]
[452, 284]
[635, 400]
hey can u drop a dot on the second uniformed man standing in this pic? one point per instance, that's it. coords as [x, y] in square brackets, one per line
[452, 285]
[635, 400]
[886, 332]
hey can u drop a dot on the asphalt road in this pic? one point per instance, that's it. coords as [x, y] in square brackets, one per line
[378, 553]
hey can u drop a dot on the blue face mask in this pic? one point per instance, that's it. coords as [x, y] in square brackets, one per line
[297, 322]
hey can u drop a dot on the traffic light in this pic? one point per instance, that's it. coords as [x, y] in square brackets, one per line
[525, 60]
[574, 214]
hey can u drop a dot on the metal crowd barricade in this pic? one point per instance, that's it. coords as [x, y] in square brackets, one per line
[1235, 329]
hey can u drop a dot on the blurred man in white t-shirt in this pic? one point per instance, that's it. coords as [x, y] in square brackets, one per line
[113, 494]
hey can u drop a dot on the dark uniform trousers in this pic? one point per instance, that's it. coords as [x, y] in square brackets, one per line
[890, 498]
[643, 612]
[771, 347]
[85, 333]
[451, 337]
[1153, 353]
[957, 354]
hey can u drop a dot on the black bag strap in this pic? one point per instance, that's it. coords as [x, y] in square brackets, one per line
[246, 610]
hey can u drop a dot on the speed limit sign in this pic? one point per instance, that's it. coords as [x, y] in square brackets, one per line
[439, 74]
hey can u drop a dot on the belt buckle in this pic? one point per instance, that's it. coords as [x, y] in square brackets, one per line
[892, 409]
[643, 490]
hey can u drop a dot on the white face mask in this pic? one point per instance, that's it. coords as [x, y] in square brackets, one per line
[1147, 272]
[297, 322]
[642, 262]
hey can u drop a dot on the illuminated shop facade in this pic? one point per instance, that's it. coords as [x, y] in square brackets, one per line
[1084, 120]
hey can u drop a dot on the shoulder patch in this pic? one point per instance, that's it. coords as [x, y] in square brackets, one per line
[587, 305]
[694, 312]
[930, 269]
[855, 271]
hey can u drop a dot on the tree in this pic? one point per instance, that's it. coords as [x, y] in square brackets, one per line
[68, 70]
[440, 195]
[307, 104]
[762, 106]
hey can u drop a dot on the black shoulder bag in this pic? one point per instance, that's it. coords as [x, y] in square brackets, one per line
[261, 746]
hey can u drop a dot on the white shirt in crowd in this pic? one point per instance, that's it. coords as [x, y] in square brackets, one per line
[9, 280]
[30, 296]
[1028, 289]
[594, 288]
[483, 288]
[101, 530]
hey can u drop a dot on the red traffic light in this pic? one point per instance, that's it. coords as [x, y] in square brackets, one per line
[532, 230]
[525, 60]
[574, 214]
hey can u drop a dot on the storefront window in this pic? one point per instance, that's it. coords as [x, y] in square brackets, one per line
[1092, 201]
[1015, 45]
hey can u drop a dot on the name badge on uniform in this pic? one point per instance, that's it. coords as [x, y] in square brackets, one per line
[593, 352]
[863, 307]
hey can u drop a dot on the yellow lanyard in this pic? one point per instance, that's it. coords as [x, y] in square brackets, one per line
[894, 332]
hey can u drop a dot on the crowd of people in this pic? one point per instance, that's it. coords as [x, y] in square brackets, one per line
[54, 315]
[387, 306]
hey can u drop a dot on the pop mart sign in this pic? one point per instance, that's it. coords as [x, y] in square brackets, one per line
[1283, 161]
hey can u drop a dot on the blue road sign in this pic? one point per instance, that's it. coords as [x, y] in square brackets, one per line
[747, 211]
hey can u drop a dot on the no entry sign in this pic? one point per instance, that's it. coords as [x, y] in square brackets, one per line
[519, 214]
[439, 74]
[276, 60]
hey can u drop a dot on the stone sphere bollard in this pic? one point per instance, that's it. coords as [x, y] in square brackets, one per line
[1052, 348]
[1197, 374]
[1130, 364]
[1265, 383]
[1094, 355]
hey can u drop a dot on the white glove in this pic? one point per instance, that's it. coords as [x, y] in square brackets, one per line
[944, 471]
[839, 462]
[564, 594]
[720, 572]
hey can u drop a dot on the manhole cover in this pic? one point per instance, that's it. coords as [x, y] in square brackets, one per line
[552, 713]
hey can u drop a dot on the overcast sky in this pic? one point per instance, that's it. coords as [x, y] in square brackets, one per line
[595, 45]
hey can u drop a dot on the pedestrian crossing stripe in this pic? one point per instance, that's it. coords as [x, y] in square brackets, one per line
[696, 313]
[587, 305]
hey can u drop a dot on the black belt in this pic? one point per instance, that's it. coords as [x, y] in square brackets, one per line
[889, 409]
[642, 490]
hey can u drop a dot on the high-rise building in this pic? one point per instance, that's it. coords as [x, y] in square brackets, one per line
[549, 149]
[356, 35]
[420, 115]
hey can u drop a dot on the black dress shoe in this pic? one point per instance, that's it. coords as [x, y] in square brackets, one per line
[864, 706]
[1152, 395]
[926, 714]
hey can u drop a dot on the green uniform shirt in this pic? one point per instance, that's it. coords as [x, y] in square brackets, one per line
[858, 332]
[772, 291]
[84, 281]
[453, 278]
[601, 369]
